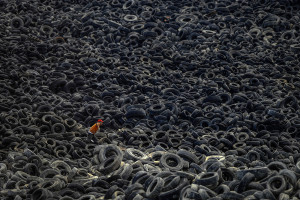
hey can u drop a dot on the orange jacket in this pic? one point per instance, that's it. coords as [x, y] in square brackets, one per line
[95, 128]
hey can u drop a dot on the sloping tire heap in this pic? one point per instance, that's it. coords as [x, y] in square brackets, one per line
[200, 99]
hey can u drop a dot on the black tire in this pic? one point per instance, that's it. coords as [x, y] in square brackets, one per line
[3, 168]
[57, 85]
[171, 161]
[259, 172]
[135, 113]
[232, 195]
[36, 160]
[69, 193]
[133, 187]
[49, 173]
[61, 165]
[40, 194]
[17, 167]
[51, 185]
[245, 182]
[110, 164]
[3, 179]
[154, 187]
[227, 174]
[267, 194]
[87, 197]
[109, 150]
[276, 165]
[174, 192]
[156, 109]
[76, 187]
[208, 179]
[289, 175]
[140, 177]
[84, 163]
[284, 196]
[170, 182]
[298, 166]
[66, 198]
[17, 23]
[31, 169]
[126, 172]
[135, 154]
[276, 184]
[70, 87]
[109, 193]
[222, 189]
[58, 128]
[195, 168]
[12, 121]
[186, 155]
[70, 124]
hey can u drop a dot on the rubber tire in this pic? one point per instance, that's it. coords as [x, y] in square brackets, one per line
[135, 154]
[168, 156]
[155, 187]
[275, 189]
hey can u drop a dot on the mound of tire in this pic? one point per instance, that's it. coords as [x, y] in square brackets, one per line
[200, 99]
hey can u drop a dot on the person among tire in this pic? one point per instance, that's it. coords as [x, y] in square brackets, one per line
[93, 130]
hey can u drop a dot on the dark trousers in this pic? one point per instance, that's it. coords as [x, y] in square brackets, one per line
[92, 138]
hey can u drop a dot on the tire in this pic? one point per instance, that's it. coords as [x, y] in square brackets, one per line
[40, 194]
[12, 121]
[17, 23]
[109, 150]
[51, 185]
[3, 168]
[70, 87]
[267, 194]
[84, 163]
[76, 187]
[57, 85]
[109, 193]
[70, 124]
[259, 173]
[100, 183]
[232, 195]
[58, 128]
[87, 197]
[208, 179]
[49, 173]
[276, 184]
[222, 189]
[36, 160]
[170, 182]
[186, 155]
[245, 182]
[140, 177]
[156, 109]
[126, 172]
[3, 179]
[289, 176]
[171, 161]
[66, 198]
[174, 192]
[195, 168]
[17, 167]
[276, 165]
[31, 169]
[135, 113]
[135, 154]
[154, 187]
[110, 164]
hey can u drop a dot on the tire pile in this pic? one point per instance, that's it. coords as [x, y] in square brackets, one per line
[200, 99]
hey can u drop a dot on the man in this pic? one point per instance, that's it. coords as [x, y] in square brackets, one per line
[93, 130]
